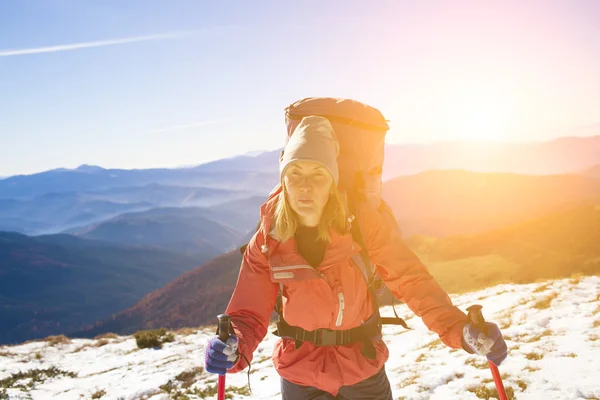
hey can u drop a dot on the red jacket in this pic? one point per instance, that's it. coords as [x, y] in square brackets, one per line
[333, 296]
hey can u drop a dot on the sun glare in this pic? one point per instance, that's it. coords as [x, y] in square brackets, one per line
[481, 115]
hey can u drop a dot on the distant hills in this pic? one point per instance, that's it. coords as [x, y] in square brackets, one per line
[555, 246]
[57, 283]
[259, 172]
[442, 203]
[559, 245]
[26, 187]
[53, 212]
[187, 230]
[593, 172]
[56, 212]
[194, 298]
[61, 199]
[136, 234]
[559, 156]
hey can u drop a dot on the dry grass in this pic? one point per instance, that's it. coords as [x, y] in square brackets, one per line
[432, 345]
[99, 394]
[153, 338]
[534, 356]
[57, 339]
[421, 358]
[186, 331]
[523, 302]
[505, 323]
[108, 335]
[263, 359]
[102, 342]
[188, 377]
[487, 393]
[539, 336]
[83, 346]
[531, 368]
[596, 323]
[411, 380]
[478, 363]
[521, 384]
[545, 302]
[542, 288]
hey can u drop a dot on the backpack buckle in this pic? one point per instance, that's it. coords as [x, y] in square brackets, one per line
[326, 337]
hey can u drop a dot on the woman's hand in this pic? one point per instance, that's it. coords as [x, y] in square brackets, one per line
[219, 356]
[491, 345]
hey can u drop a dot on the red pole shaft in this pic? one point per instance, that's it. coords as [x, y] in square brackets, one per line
[498, 381]
[221, 388]
[224, 321]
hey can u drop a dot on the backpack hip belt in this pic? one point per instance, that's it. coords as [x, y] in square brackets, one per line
[327, 337]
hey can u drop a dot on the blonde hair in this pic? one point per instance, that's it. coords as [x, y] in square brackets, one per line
[334, 215]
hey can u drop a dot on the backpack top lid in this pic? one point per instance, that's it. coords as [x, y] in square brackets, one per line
[360, 130]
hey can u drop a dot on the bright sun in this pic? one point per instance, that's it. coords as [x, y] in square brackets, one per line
[480, 115]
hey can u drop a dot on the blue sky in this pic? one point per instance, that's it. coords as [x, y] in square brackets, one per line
[139, 84]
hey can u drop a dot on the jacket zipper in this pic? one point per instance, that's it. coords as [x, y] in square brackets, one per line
[340, 316]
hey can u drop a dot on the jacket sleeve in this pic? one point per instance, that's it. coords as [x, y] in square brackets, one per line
[252, 302]
[407, 277]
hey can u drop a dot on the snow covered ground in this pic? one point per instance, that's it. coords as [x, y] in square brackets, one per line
[552, 330]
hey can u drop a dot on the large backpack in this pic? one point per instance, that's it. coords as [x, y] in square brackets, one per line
[361, 131]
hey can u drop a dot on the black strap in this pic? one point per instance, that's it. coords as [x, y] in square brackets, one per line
[358, 237]
[327, 337]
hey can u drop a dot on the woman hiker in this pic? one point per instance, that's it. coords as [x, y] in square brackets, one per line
[304, 245]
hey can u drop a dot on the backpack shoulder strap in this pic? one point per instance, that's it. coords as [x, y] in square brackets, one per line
[364, 264]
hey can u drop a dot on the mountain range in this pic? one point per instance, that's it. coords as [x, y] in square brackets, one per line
[185, 230]
[109, 225]
[57, 283]
[559, 156]
[259, 172]
[554, 246]
[442, 203]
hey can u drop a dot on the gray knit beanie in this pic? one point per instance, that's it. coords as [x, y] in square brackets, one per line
[312, 140]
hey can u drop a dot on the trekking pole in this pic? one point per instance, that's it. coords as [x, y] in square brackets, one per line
[223, 335]
[476, 317]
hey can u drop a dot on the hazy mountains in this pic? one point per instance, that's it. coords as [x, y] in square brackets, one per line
[139, 230]
[442, 203]
[58, 283]
[259, 172]
[554, 246]
[229, 174]
[187, 230]
[563, 155]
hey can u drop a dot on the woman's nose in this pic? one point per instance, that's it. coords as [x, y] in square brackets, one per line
[305, 184]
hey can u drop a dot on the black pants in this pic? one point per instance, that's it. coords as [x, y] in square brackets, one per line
[376, 387]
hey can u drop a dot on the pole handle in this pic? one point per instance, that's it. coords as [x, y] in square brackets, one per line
[224, 325]
[476, 317]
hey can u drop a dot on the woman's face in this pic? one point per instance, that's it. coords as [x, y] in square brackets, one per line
[308, 185]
